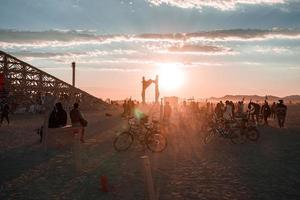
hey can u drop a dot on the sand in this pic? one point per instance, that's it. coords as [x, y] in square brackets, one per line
[187, 169]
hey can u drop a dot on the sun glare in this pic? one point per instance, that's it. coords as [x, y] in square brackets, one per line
[171, 75]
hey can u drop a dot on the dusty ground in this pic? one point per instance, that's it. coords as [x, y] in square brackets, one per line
[188, 169]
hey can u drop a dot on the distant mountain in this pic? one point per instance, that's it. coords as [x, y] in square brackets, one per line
[293, 98]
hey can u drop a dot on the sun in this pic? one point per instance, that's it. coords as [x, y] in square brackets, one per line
[171, 75]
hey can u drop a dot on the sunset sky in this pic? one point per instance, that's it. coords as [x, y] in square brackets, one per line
[212, 48]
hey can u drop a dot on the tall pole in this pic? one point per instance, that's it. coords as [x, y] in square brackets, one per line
[73, 74]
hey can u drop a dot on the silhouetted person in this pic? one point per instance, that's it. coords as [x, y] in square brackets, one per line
[58, 117]
[273, 110]
[78, 120]
[132, 107]
[167, 112]
[52, 119]
[233, 108]
[240, 108]
[254, 110]
[266, 112]
[4, 114]
[228, 111]
[61, 115]
[219, 110]
[125, 112]
[281, 111]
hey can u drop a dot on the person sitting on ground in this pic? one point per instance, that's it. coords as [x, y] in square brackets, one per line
[281, 111]
[266, 112]
[78, 120]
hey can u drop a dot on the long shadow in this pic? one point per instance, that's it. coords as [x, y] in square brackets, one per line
[17, 161]
[269, 168]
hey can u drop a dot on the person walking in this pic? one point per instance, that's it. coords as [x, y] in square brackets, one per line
[4, 114]
[78, 120]
[281, 111]
[266, 112]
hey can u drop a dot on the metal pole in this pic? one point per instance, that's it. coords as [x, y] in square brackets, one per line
[73, 74]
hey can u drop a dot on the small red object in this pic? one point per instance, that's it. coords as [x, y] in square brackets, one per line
[104, 184]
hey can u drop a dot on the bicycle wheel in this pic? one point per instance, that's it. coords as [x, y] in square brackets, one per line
[238, 137]
[123, 141]
[253, 134]
[209, 135]
[156, 142]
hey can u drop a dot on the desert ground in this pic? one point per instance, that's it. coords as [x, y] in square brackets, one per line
[187, 169]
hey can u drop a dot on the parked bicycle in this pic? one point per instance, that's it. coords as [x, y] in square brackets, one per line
[146, 133]
[237, 130]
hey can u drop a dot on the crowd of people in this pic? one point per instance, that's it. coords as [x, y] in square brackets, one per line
[255, 111]
[192, 111]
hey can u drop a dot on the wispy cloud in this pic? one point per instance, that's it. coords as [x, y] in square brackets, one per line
[218, 4]
[201, 49]
[24, 39]
[274, 50]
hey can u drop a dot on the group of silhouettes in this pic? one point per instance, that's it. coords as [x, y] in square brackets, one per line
[58, 118]
[128, 108]
[255, 111]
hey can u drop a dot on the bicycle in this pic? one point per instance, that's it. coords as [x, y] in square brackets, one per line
[147, 134]
[237, 130]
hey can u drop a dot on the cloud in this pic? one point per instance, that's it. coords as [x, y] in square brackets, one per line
[202, 50]
[71, 56]
[275, 50]
[217, 4]
[10, 39]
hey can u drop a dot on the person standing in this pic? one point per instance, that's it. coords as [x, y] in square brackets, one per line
[227, 115]
[281, 111]
[124, 114]
[5, 112]
[78, 120]
[167, 112]
[273, 110]
[266, 112]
